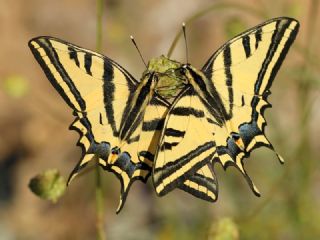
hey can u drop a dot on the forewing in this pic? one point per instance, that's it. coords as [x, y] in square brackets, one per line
[101, 94]
[239, 76]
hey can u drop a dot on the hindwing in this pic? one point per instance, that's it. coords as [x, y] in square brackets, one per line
[185, 149]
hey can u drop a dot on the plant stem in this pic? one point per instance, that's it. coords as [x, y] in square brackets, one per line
[99, 205]
[100, 6]
[100, 220]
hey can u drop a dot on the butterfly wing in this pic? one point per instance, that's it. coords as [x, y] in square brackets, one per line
[186, 147]
[238, 77]
[101, 94]
[227, 99]
[202, 184]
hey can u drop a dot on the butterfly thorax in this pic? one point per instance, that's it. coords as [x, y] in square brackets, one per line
[169, 82]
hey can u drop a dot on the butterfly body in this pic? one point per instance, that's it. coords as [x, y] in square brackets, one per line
[177, 121]
[166, 73]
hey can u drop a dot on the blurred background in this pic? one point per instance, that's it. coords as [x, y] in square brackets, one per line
[34, 124]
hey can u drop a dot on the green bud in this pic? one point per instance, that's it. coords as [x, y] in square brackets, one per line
[49, 185]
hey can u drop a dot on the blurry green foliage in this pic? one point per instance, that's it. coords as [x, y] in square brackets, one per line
[294, 8]
[15, 86]
[234, 26]
[224, 229]
[49, 185]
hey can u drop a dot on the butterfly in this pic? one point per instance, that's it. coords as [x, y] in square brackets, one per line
[176, 121]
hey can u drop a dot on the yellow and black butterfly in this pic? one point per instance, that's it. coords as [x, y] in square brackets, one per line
[177, 121]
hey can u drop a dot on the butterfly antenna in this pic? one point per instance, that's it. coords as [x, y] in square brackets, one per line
[135, 44]
[185, 40]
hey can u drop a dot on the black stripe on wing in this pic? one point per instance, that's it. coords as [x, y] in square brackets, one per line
[258, 37]
[205, 183]
[174, 132]
[275, 40]
[153, 125]
[210, 96]
[74, 56]
[227, 63]
[54, 59]
[246, 45]
[88, 63]
[171, 167]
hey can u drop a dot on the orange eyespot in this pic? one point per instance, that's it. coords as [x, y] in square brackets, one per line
[114, 155]
[240, 143]
[112, 158]
[238, 140]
